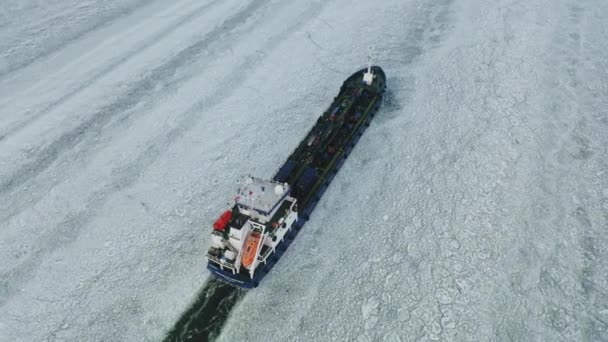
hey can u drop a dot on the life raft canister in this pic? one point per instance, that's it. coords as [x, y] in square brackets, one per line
[222, 222]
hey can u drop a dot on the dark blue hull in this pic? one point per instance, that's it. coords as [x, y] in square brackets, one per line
[244, 280]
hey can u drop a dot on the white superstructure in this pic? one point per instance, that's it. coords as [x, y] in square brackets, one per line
[249, 233]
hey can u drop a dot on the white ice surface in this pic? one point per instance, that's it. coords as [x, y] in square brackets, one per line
[474, 208]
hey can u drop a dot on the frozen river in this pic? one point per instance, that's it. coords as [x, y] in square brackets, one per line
[474, 208]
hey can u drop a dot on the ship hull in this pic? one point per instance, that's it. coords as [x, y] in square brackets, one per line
[310, 194]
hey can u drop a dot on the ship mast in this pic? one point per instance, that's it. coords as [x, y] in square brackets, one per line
[368, 77]
[369, 59]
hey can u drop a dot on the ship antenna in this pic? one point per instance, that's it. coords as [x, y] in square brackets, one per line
[368, 77]
[370, 53]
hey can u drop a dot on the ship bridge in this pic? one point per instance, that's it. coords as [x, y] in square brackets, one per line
[260, 195]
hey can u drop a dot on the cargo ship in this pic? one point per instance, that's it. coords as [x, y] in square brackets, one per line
[249, 237]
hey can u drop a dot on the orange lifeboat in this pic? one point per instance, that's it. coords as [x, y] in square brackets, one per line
[250, 249]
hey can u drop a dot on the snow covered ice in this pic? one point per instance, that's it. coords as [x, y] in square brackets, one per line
[474, 208]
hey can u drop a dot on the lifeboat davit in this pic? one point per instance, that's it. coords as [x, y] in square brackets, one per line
[250, 250]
